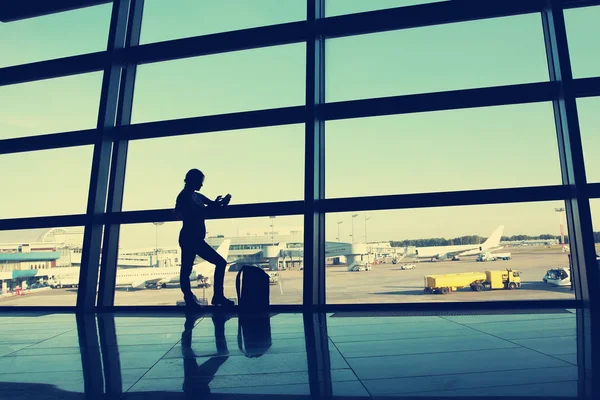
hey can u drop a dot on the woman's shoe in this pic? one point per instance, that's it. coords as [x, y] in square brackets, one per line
[191, 303]
[221, 301]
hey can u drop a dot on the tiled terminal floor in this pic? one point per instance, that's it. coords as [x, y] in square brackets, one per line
[344, 355]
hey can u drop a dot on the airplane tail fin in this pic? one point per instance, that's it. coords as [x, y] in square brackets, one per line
[223, 249]
[207, 269]
[494, 239]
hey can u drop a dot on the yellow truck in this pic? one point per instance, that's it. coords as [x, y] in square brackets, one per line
[508, 279]
[451, 282]
[477, 281]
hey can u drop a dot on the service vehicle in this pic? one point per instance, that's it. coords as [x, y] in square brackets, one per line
[485, 257]
[503, 279]
[477, 281]
[502, 256]
[558, 276]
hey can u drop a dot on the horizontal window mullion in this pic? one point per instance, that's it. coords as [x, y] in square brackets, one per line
[446, 199]
[449, 100]
[593, 190]
[586, 87]
[213, 123]
[245, 39]
[47, 142]
[579, 3]
[233, 211]
[42, 222]
[56, 68]
[23, 9]
[423, 15]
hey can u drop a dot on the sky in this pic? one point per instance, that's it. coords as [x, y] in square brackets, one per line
[493, 147]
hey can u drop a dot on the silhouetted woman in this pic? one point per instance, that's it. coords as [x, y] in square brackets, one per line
[191, 208]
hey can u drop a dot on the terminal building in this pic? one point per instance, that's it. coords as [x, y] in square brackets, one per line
[31, 258]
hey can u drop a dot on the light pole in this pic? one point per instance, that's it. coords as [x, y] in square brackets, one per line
[353, 216]
[560, 210]
[367, 240]
[157, 224]
[272, 229]
[338, 224]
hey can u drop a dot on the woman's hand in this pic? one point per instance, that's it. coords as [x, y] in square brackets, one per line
[225, 201]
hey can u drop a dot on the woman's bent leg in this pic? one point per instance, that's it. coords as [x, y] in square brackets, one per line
[210, 255]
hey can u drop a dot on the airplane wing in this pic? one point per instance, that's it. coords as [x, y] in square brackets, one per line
[141, 284]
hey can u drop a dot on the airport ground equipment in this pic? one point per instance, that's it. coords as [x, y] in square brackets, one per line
[503, 279]
[358, 266]
[451, 282]
[502, 256]
[407, 267]
[485, 257]
[477, 281]
[493, 256]
[273, 277]
[558, 276]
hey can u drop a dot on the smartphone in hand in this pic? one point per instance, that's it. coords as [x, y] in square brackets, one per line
[226, 200]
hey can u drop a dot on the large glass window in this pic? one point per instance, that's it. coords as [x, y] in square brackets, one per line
[595, 209]
[386, 256]
[150, 259]
[477, 148]
[50, 106]
[223, 83]
[371, 257]
[466, 55]
[49, 182]
[583, 31]
[54, 36]
[40, 267]
[253, 165]
[589, 122]
[341, 7]
[176, 19]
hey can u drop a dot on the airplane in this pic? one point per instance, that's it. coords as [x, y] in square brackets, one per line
[444, 252]
[141, 278]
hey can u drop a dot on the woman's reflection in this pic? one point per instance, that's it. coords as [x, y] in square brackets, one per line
[198, 377]
[254, 340]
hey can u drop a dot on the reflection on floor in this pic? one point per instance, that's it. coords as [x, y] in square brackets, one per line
[345, 355]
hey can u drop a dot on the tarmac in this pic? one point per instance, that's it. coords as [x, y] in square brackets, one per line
[385, 283]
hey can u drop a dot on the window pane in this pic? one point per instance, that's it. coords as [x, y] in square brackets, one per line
[595, 209]
[50, 106]
[40, 267]
[222, 83]
[341, 7]
[489, 52]
[254, 165]
[442, 151]
[49, 182]
[176, 19]
[54, 36]
[583, 31]
[404, 246]
[275, 244]
[589, 123]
